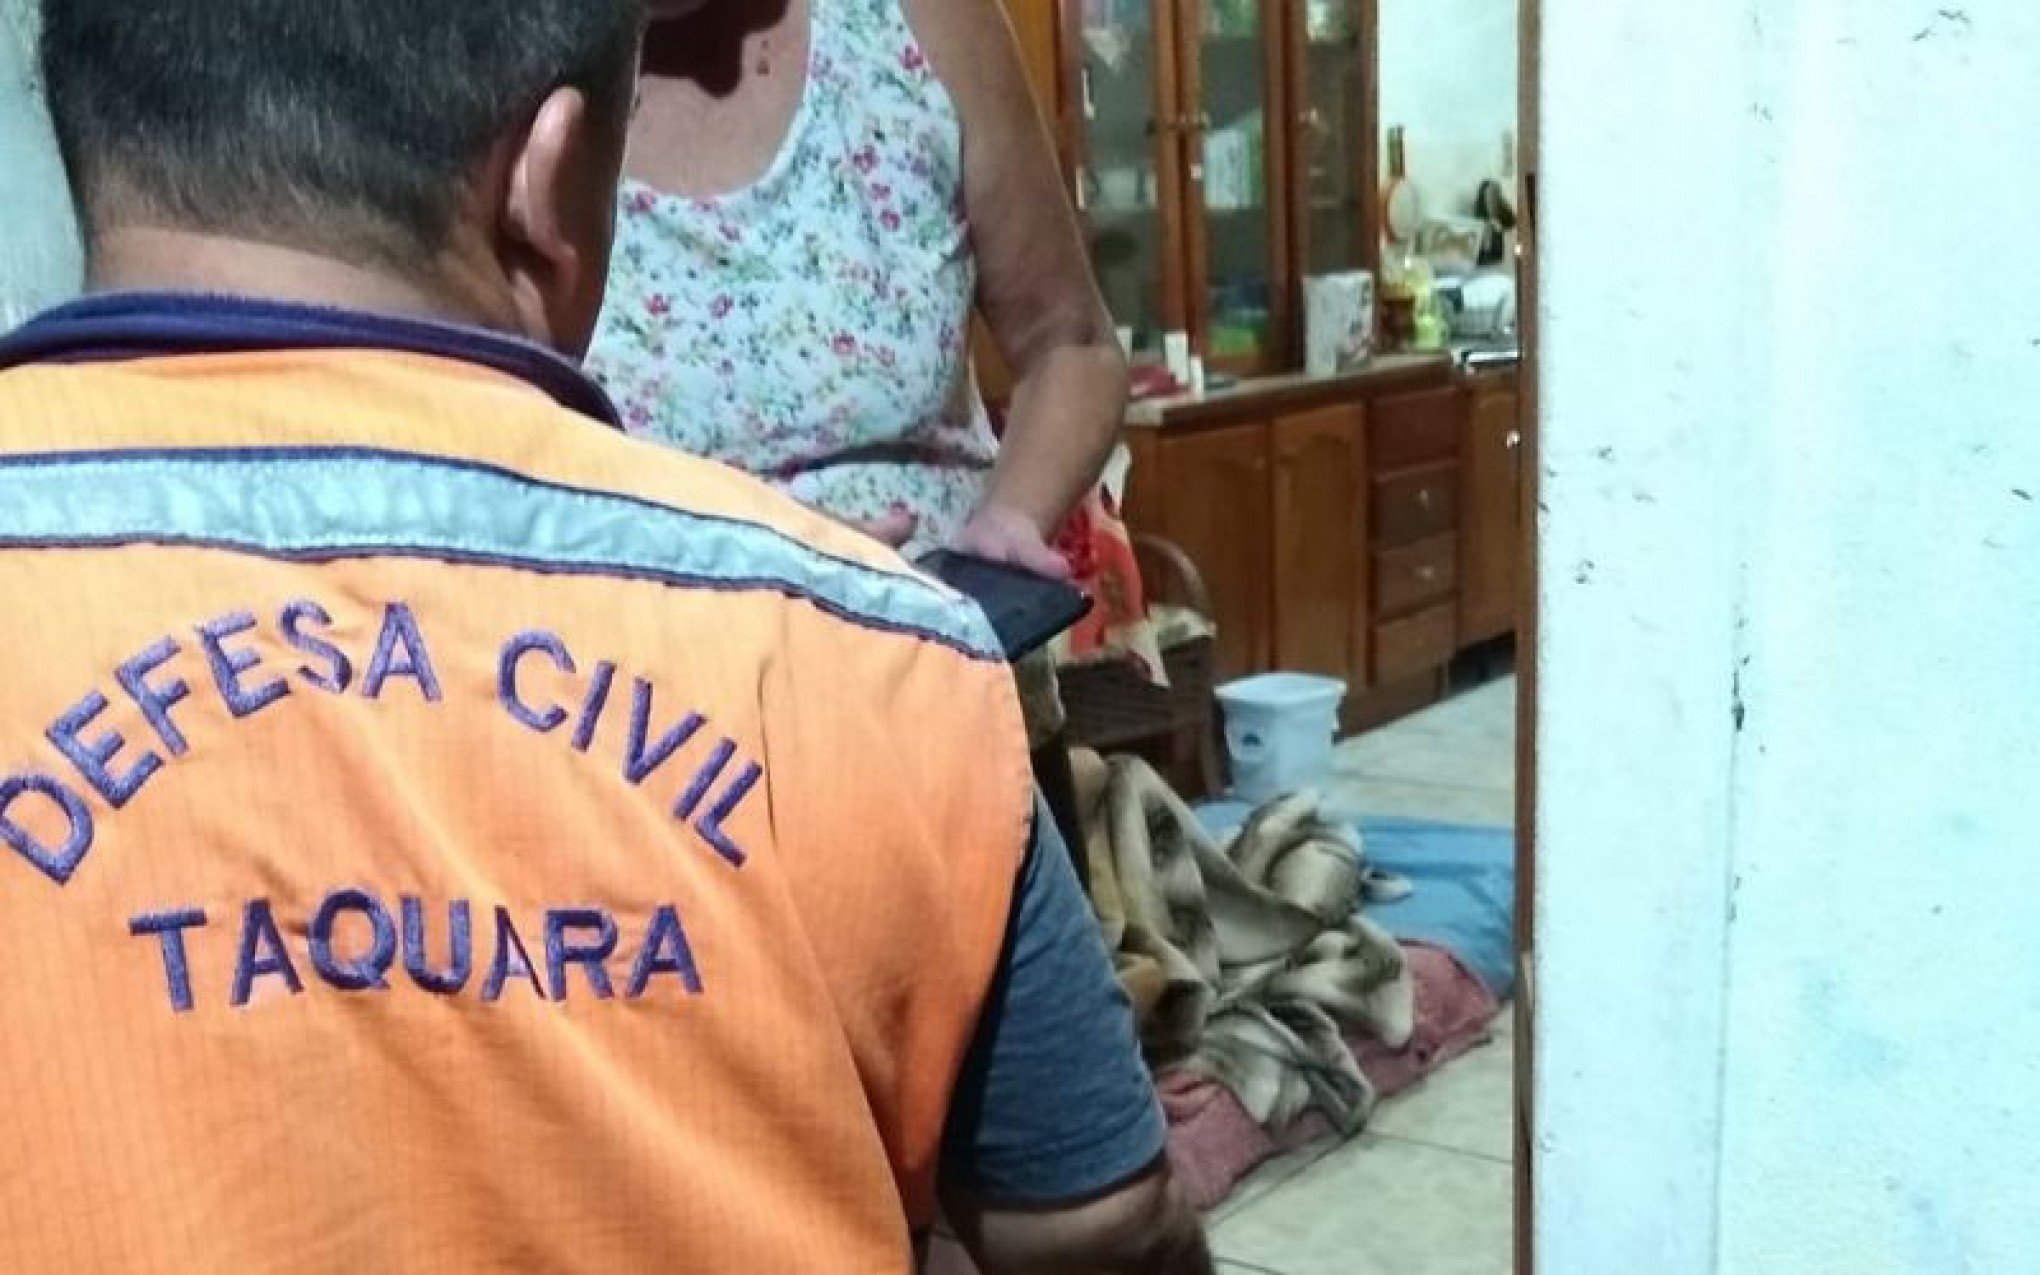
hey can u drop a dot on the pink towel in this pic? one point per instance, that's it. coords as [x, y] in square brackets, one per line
[1213, 1143]
[1454, 1011]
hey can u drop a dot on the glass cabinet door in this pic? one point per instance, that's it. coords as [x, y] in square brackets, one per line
[1332, 137]
[1235, 173]
[1120, 182]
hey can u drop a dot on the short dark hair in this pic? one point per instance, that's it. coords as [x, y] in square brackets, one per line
[349, 125]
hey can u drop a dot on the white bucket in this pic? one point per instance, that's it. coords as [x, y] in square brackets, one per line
[1279, 731]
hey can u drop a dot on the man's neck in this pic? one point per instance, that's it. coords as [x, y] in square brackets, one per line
[147, 259]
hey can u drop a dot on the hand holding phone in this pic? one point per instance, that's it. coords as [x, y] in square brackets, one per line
[1026, 611]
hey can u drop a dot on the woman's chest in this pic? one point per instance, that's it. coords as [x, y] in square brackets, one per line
[842, 330]
[717, 107]
[825, 304]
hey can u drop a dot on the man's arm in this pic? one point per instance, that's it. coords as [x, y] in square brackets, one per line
[1143, 1228]
[1054, 1156]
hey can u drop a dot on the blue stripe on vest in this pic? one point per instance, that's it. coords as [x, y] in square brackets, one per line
[323, 504]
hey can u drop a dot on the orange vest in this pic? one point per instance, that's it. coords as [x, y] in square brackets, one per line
[438, 834]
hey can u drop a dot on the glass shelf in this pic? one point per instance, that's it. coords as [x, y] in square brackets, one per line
[1237, 143]
[1121, 203]
[1330, 145]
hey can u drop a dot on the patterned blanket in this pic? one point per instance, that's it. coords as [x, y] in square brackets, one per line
[1247, 963]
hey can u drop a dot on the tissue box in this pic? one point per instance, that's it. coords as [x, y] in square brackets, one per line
[1338, 322]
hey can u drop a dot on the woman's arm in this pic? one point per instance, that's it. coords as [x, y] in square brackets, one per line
[1035, 289]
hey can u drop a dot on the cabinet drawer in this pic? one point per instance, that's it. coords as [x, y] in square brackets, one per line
[1416, 575]
[1412, 505]
[1424, 641]
[1414, 429]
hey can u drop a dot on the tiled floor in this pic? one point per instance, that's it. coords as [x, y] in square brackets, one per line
[1428, 1190]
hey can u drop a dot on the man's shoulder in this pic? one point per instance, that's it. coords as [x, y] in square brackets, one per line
[498, 475]
[691, 485]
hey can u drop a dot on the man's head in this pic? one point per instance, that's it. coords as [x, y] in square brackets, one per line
[467, 148]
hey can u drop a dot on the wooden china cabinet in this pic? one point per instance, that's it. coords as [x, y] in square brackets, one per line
[1494, 559]
[1319, 555]
[1220, 150]
[1367, 526]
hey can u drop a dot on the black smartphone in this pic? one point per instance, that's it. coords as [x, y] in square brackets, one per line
[1026, 611]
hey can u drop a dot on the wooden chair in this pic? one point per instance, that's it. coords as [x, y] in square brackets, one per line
[1113, 709]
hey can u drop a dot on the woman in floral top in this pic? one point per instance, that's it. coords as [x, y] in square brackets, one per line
[819, 194]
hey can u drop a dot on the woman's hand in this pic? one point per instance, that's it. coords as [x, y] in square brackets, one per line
[893, 530]
[995, 533]
[1009, 536]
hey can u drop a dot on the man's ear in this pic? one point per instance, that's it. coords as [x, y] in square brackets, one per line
[558, 220]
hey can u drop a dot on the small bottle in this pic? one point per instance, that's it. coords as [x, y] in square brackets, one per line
[1430, 325]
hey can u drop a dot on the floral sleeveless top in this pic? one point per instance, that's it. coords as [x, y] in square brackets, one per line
[813, 328]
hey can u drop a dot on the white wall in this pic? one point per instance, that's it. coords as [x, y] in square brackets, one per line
[39, 261]
[1789, 914]
[1448, 75]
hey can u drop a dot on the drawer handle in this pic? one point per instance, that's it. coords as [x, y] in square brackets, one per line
[1427, 574]
[1427, 499]
[1515, 439]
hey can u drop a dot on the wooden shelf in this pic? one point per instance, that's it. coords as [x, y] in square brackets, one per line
[1364, 527]
[1276, 395]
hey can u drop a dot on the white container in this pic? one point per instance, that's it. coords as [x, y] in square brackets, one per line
[1120, 188]
[1279, 732]
[1338, 322]
[1176, 355]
